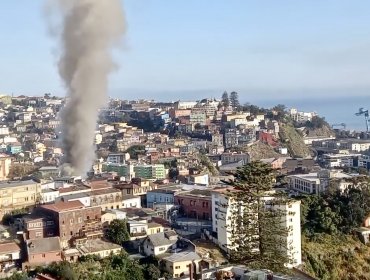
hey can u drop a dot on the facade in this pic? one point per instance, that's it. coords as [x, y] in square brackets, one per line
[181, 264]
[43, 251]
[110, 198]
[5, 163]
[74, 221]
[160, 243]
[18, 195]
[223, 207]
[196, 204]
[38, 227]
[227, 158]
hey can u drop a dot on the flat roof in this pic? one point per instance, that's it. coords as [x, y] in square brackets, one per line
[12, 184]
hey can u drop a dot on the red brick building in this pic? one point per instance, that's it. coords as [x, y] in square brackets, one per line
[74, 222]
[36, 226]
[195, 204]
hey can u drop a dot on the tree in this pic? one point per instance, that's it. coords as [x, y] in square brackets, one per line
[234, 99]
[117, 232]
[225, 99]
[257, 228]
[152, 272]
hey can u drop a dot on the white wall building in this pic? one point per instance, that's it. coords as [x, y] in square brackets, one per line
[223, 207]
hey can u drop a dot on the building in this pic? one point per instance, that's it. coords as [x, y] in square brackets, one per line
[181, 264]
[195, 204]
[5, 163]
[123, 170]
[43, 251]
[164, 196]
[18, 195]
[155, 171]
[74, 221]
[38, 226]
[223, 207]
[317, 182]
[10, 254]
[227, 158]
[99, 247]
[110, 198]
[160, 243]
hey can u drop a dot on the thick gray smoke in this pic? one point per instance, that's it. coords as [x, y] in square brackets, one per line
[91, 28]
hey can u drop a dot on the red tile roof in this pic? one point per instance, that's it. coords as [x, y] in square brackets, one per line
[64, 206]
[9, 247]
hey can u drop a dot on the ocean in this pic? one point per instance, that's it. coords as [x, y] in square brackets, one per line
[335, 110]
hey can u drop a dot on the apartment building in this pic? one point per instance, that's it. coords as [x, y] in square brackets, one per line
[223, 207]
[195, 204]
[18, 195]
[74, 221]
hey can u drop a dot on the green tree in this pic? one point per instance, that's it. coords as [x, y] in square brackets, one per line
[234, 99]
[117, 231]
[225, 99]
[257, 228]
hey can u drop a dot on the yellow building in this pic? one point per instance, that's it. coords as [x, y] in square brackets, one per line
[154, 228]
[18, 195]
[5, 163]
[109, 198]
[178, 264]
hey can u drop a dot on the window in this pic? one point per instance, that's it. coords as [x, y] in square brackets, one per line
[162, 249]
[71, 221]
[71, 233]
[177, 267]
[80, 219]
[38, 234]
[50, 223]
[43, 255]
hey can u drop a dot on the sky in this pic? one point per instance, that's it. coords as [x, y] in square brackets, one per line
[189, 49]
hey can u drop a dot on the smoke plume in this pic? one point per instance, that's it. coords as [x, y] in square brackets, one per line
[90, 29]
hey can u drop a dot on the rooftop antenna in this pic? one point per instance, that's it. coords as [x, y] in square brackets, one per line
[365, 113]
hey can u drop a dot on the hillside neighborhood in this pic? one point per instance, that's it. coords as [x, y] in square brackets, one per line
[165, 182]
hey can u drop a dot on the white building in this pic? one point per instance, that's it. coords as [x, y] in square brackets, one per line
[301, 117]
[317, 182]
[223, 208]
[131, 201]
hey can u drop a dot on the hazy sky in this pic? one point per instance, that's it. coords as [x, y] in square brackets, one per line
[189, 48]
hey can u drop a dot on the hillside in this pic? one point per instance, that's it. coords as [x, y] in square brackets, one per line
[259, 150]
[336, 257]
[324, 131]
[290, 137]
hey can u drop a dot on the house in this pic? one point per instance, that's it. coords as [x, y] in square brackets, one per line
[43, 251]
[109, 198]
[10, 254]
[160, 243]
[181, 264]
[99, 247]
[131, 201]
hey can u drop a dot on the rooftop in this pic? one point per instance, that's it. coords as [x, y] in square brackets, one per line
[9, 247]
[182, 257]
[97, 245]
[14, 184]
[64, 206]
[42, 245]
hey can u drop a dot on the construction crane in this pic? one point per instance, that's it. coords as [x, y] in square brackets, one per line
[343, 125]
[365, 113]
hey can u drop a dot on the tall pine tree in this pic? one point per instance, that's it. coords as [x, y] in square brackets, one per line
[225, 99]
[257, 223]
[234, 99]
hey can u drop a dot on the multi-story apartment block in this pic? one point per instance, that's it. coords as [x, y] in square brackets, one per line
[224, 207]
[155, 171]
[123, 170]
[74, 221]
[18, 195]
